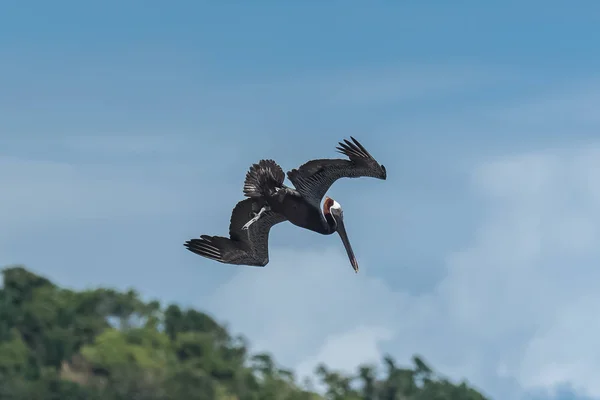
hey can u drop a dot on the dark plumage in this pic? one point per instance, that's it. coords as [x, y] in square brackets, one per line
[313, 178]
[263, 178]
[243, 247]
[301, 206]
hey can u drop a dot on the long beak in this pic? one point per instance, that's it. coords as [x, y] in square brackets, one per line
[341, 230]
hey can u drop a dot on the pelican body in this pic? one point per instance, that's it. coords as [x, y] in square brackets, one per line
[301, 205]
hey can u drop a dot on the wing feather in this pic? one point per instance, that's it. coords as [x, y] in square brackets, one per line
[203, 247]
[243, 247]
[313, 178]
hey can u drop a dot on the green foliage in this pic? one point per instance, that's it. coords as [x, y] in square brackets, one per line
[58, 344]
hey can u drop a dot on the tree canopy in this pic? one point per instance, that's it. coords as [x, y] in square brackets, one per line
[60, 344]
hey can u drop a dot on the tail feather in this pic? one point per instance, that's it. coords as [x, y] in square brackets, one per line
[263, 178]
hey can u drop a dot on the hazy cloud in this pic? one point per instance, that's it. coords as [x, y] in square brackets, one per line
[515, 306]
[35, 192]
[573, 105]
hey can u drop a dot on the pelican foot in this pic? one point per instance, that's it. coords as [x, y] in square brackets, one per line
[247, 225]
[256, 218]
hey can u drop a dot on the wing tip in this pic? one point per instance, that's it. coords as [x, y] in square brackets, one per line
[353, 149]
[203, 247]
[291, 174]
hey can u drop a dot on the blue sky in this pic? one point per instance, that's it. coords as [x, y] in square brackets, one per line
[127, 128]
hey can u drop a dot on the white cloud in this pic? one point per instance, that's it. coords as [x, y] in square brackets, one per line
[406, 82]
[37, 192]
[368, 86]
[174, 147]
[517, 305]
[127, 144]
[564, 348]
[365, 342]
[575, 105]
[298, 297]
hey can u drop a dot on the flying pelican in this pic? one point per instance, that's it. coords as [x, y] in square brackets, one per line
[301, 206]
[244, 246]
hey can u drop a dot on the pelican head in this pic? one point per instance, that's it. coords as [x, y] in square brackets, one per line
[335, 218]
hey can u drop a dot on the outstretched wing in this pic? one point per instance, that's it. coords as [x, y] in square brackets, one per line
[249, 247]
[314, 178]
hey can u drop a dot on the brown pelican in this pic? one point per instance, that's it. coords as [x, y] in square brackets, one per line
[244, 246]
[301, 206]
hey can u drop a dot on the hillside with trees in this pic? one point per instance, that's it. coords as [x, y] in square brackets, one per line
[60, 344]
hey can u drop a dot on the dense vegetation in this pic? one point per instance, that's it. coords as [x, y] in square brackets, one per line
[102, 344]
